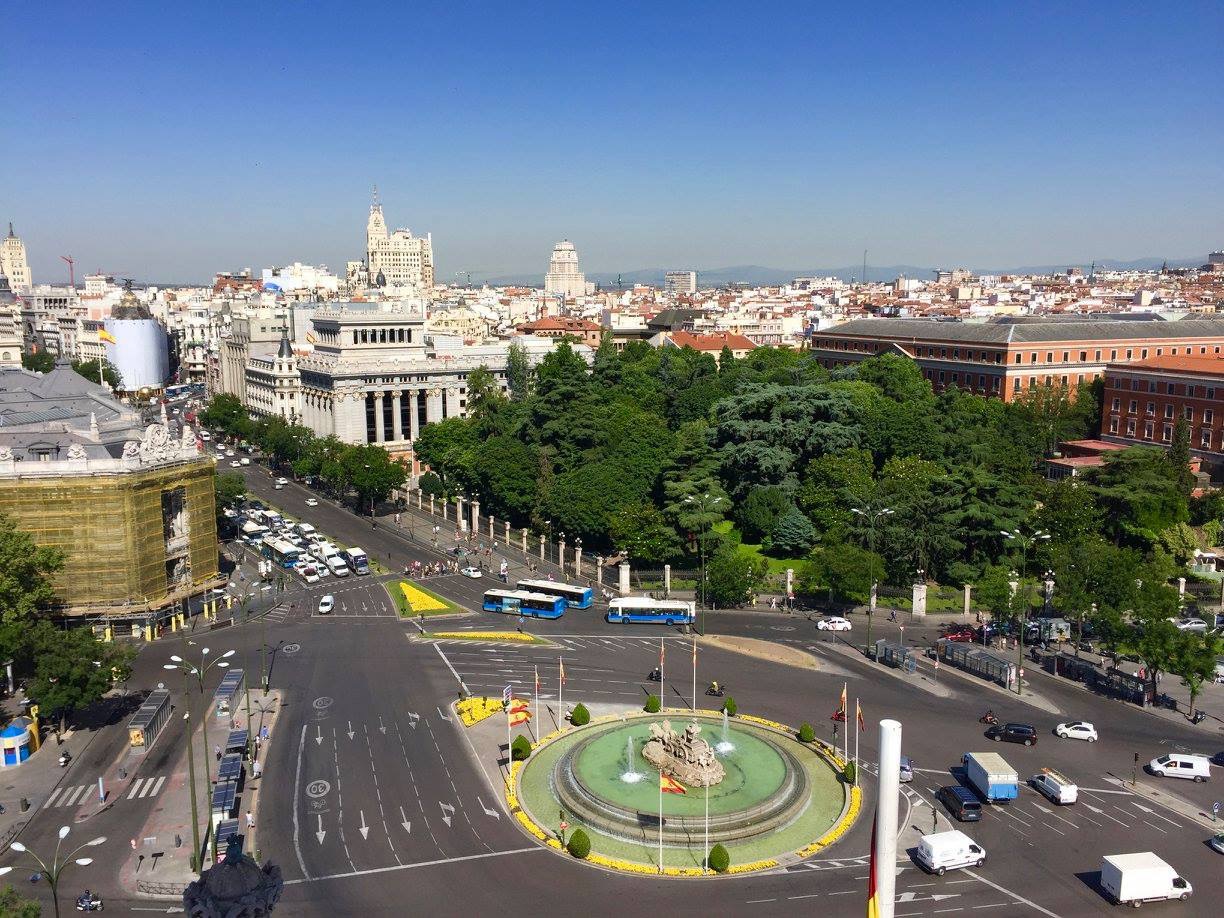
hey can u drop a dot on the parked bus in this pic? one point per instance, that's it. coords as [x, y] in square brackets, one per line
[520, 602]
[281, 552]
[645, 609]
[578, 597]
[357, 560]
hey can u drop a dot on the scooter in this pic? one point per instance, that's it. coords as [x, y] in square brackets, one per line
[655, 676]
[92, 904]
[988, 718]
[64, 759]
[1198, 717]
[716, 692]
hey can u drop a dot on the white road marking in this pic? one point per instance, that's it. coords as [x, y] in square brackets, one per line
[152, 792]
[136, 785]
[320, 834]
[1152, 812]
[51, 800]
[435, 863]
[1007, 892]
[297, 791]
[488, 812]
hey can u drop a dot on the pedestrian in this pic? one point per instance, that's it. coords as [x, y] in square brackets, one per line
[264, 732]
[257, 769]
[934, 819]
[250, 820]
[217, 752]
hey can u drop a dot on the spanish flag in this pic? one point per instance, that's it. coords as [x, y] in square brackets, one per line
[311, 338]
[669, 785]
[858, 713]
[561, 667]
[104, 335]
[519, 712]
[840, 713]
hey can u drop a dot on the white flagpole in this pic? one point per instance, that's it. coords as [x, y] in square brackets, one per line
[660, 669]
[694, 673]
[856, 739]
[560, 688]
[660, 822]
[509, 750]
[535, 731]
[845, 721]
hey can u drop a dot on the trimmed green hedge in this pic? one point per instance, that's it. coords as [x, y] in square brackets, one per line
[719, 859]
[653, 704]
[580, 716]
[806, 733]
[579, 845]
[520, 749]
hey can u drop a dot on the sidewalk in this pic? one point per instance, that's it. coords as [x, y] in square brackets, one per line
[158, 865]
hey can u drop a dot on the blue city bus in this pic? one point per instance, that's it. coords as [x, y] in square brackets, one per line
[578, 597]
[281, 552]
[520, 602]
[656, 611]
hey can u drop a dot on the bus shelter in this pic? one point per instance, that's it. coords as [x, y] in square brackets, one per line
[147, 723]
[225, 699]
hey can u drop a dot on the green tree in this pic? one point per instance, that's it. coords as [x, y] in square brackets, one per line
[834, 483]
[448, 448]
[844, 569]
[643, 532]
[607, 369]
[793, 534]
[518, 371]
[1194, 660]
[520, 749]
[89, 369]
[485, 399]
[26, 569]
[1141, 494]
[14, 905]
[225, 413]
[1179, 456]
[759, 511]
[732, 577]
[996, 593]
[373, 474]
[230, 493]
[579, 844]
[42, 361]
[580, 716]
[73, 669]
[719, 859]
[506, 473]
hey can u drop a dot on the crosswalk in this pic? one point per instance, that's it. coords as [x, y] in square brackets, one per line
[80, 794]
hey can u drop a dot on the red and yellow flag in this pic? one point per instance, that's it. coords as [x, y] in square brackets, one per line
[840, 713]
[561, 666]
[536, 670]
[104, 335]
[670, 785]
[520, 713]
[873, 893]
[858, 714]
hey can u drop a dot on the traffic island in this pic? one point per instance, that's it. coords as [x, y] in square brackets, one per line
[414, 601]
[771, 799]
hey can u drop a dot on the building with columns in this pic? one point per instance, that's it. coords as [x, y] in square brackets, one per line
[376, 377]
[13, 263]
[396, 259]
[563, 277]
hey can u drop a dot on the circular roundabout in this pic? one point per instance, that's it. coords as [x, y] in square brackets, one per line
[768, 796]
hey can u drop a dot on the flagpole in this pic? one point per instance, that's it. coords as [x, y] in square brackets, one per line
[509, 749]
[694, 673]
[560, 688]
[705, 860]
[535, 731]
[856, 738]
[845, 721]
[660, 668]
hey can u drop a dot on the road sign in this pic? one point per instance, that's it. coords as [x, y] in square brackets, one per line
[507, 694]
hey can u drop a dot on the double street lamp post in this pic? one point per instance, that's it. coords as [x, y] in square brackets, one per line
[872, 516]
[705, 504]
[1025, 543]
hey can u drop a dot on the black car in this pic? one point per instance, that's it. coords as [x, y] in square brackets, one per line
[1013, 733]
[960, 802]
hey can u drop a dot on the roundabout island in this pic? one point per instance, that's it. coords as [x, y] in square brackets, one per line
[656, 792]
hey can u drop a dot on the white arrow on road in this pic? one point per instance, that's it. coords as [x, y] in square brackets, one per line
[1091, 807]
[1140, 806]
[351, 734]
[488, 812]
[1043, 809]
[381, 727]
[319, 738]
[448, 812]
[406, 824]
[913, 897]
[443, 716]
[319, 834]
[363, 828]
[412, 719]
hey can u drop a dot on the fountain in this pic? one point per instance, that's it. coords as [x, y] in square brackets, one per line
[630, 775]
[725, 746]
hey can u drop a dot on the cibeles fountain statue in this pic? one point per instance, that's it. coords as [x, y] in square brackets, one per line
[683, 756]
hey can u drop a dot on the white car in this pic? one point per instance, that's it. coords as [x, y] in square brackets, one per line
[326, 604]
[1077, 729]
[235, 464]
[1217, 843]
[312, 502]
[1196, 625]
[310, 573]
[833, 623]
[282, 481]
[245, 460]
[474, 572]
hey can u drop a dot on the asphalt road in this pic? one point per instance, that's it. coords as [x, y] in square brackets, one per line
[379, 807]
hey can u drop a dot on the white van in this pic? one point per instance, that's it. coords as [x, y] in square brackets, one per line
[336, 565]
[1180, 765]
[949, 850]
[1055, 785]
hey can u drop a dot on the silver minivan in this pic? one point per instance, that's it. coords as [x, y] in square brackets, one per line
[1179, 765]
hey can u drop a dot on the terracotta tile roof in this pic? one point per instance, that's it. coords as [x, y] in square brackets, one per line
[1204, 364]
[560, 323]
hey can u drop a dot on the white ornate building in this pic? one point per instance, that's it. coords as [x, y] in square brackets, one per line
[13, 263]
[563, 277]
[273, 386]
[397, 259]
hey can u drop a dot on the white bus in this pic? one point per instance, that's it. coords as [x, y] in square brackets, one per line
[658, 611]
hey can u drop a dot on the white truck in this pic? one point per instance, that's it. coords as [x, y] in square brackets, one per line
[1133, 879]
[948, 850]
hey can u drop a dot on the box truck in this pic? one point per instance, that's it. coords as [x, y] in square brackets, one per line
[991, 776]
[1133, 879]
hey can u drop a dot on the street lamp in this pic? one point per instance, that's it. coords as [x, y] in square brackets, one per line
[1025, 543]
[706, 504]
[872, 516]
[53, 870]
[201, 673]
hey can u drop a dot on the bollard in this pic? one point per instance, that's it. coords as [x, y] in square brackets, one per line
[25, 804]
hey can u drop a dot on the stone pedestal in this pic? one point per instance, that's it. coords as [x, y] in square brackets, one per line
[578, 562]
[968, 598]
[541, 548]
[599, 571]
[874, 594]
[667, 580]
[475, 517]
[920, 593]
[623, 586]
[561, 556]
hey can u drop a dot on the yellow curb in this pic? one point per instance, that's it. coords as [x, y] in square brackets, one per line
[483, 636]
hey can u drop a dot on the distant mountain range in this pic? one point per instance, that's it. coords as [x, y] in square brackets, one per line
[761, 276]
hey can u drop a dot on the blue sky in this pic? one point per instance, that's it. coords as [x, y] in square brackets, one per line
[171, 141]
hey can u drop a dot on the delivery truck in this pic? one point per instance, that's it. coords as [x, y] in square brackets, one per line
[1133, 879]
[991, 776]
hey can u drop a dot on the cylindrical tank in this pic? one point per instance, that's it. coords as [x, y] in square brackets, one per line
[140, 353]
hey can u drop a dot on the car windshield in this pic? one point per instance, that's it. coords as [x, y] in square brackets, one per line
[1163, 760]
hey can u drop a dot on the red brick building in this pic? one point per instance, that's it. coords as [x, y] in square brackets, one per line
[564, 326]
[1144, 399]
[1004, 358]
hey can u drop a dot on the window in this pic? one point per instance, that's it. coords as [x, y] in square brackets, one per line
[1147, 430]
[1205, 438]
[1130, 427]
[1019, 357]
[1168, 411]
[1066, 356]
[1167, 433]
[1151, 409]
[1113, 425]
[1159, 351]
[1143, 353]
[1032, 382]
[1188, 413]
[1049, 356]
[1016, 382]
[1083, 356]
[1190, 391]
[1151, 385]
[1033, 357]
[1113, 355]
[1098, 357]
[1134, 406]
[1208, 414]
[956, 353]
[1211, 391]
[1129, 353]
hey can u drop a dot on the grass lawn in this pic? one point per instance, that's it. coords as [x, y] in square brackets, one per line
[775, 566]
[433, 604]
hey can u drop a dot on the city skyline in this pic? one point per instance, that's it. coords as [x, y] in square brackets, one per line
[171, 148]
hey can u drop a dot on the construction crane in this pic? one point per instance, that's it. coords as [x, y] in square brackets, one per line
[71, 270]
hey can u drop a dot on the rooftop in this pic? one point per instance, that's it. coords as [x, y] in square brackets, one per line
[1030, 332]
[1199, 366]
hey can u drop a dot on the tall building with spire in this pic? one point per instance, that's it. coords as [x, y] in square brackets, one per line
[396, 259]
[563, 277]
[13, 264]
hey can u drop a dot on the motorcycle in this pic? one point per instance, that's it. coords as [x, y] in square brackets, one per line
[988, 718]
[655, 676]
[1198, 717]
[64, 759]
[716, 692]
[92, 904]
